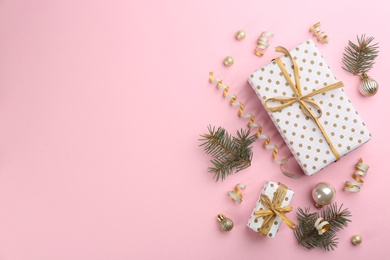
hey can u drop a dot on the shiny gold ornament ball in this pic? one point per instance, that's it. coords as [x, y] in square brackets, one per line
[323, 194]
[226, 224]
[240, 35]
[228, 61]
[356, 239]
[368, 86]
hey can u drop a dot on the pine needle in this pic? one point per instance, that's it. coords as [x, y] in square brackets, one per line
[229, 153]
[307, 235]
[359, 58]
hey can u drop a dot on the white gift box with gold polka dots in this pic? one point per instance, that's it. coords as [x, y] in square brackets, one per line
[255, 222]
[339, 118]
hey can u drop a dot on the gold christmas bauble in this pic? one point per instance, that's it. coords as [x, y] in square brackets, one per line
[228, 61]
[226, 224]
[240, 35]
[368, 86]
[323, 194]
[356, 239]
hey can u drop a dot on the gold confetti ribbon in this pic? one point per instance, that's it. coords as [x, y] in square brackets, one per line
[252, 124]
[236, 194]
[263, 42]
[321, 225]
[321, 36]
[273, 209]
[360, 170]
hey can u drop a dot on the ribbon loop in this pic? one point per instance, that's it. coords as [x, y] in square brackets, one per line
[307, 105]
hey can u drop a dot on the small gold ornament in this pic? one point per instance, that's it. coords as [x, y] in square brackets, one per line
[356, 239]
[228, 61]
[226, 224]
[240, 35]
[323, 194]
[368, 86]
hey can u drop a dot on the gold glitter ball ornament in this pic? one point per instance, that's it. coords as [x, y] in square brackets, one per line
[368, 86]
[226, 224]
[240, 35]
[323, 194]
[228, 61]
[356, 239]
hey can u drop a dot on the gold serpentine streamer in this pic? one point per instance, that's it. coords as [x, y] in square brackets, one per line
[321, 36]
[236, 194]
[321, 225]
[263, 42]
[252, 124]
[360, 170]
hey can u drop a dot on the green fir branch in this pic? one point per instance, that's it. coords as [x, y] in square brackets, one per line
[337, 218]
[307, 235]
[229, 153]
[359, 58]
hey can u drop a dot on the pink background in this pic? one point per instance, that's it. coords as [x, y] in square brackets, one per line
[101, 107]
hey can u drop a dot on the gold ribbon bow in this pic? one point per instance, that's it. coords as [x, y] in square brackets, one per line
[273, 210]
[304, 100]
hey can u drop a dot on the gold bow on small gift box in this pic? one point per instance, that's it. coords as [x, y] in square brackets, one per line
[273, 209]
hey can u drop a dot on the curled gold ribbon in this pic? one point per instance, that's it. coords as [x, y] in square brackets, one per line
[360, 170]
[273, 210]
[263, 43]
[236, 194]
[321, 225]
[305, 101]
[321, 36]
[252, 124]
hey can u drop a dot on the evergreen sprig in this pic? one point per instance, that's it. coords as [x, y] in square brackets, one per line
[307, 235]
[229, 153]
[359, 58]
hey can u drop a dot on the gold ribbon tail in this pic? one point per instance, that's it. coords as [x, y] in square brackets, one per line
[281, 213]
